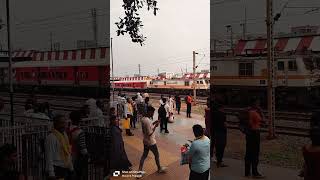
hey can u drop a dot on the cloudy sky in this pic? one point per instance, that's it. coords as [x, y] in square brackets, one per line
[231, 12]
[68, 20]
[180, 27]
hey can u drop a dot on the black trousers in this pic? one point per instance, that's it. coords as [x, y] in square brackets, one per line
[163, 123]
[81, 168]
[252, 152]
[220, 144]
[188, 109]
[212, 142]
[199, 176]
[61, 172]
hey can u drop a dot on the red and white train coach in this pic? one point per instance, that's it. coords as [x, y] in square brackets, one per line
[140, 82]
[80, 68]
[243, 73]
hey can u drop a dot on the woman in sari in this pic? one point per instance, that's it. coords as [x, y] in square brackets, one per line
[118, 156]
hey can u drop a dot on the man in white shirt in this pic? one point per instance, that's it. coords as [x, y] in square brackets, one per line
[58, 151]
[149, 140]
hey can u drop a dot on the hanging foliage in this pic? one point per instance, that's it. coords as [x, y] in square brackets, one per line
[131, 23]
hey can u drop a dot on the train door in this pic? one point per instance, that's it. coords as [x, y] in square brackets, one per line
[100, 76]
[38, 79]
[2, 76]
[76, 75]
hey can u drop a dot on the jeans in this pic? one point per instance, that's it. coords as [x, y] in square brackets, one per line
[178, 106]
[252, 152]
[199, 176]
[155, 152]
[133, 120]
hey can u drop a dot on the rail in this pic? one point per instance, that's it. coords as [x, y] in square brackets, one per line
[287, 123]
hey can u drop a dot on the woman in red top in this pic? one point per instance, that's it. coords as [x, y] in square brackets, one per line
[311, 154]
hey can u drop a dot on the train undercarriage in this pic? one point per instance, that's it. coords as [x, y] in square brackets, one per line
[295, 98]
[79, 91]
[200, 92]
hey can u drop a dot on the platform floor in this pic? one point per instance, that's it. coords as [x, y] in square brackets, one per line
[169, 148]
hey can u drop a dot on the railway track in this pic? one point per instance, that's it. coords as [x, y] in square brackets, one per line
[200, 100]
[287, 123]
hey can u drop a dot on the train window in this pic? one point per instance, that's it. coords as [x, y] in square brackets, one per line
[281, 66]
[201, 82]
[165, 83]
[292, 65]
[262, 81]
[186, 83]
[317, 62]
[246, 69]
[308, 63]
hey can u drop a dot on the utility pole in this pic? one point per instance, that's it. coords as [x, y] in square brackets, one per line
[51, 42]
[94, 26]
[10, 63]
[271, 69]
[244, 24]
[194, 77]
[139, 69]
[229, 29]
[112, 70]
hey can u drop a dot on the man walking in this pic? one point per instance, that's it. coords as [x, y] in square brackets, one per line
[58, 151]
[178, 103]
[253, 139]
[149, 140]
[220, 133]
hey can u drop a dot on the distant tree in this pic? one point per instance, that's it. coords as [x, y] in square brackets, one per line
[132, 23]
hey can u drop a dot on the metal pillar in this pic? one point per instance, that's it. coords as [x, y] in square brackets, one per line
[194, 78]
[271, 70]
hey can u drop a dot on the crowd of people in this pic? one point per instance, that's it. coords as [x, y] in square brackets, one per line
[251, 120]
[67, 155]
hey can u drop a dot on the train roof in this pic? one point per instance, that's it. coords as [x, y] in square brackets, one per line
[73, 54]
[61, 63]
[292, 44]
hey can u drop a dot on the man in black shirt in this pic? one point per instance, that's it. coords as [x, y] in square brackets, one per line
[220, 132]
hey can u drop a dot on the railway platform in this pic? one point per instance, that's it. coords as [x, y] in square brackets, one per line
[169, 148]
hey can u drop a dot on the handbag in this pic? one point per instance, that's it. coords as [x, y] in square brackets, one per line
[171, 118]
[184, 155]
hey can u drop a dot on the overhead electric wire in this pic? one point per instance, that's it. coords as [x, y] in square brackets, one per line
[49, 26]
[86, 11]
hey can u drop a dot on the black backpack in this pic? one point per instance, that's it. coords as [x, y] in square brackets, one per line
[243, 117]
[162, 111]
